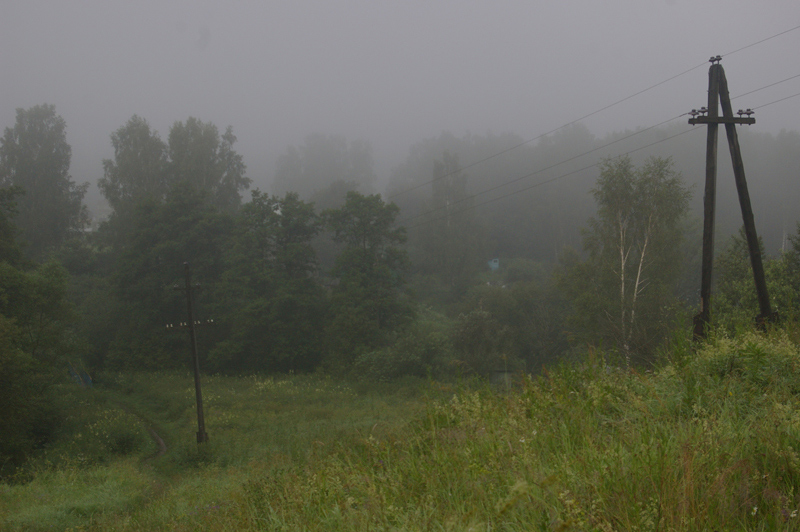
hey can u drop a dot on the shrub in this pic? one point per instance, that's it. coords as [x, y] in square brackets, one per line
[421, 349]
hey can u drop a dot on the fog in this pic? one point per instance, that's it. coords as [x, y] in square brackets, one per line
[390, 73]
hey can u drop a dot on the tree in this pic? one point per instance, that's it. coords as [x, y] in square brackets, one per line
[35, 318]
[139, 169]
[367, 303]
[203, 159]
[449, 236]
[623, 292]
[274, 305]
[527, 309]
[149, 262]
[735, 300]
[9, 249]
[35, 156]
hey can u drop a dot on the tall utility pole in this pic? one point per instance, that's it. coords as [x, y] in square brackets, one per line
[202, 435]
[718, 93]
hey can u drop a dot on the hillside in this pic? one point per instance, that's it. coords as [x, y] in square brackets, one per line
[707, 442]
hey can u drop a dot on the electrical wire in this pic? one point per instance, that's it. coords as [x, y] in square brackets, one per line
[776, 101]
[539, 171]
[766, 86]
[548, 181]
[761, 41]
[609, 106]
[638, 132]
[589, 115]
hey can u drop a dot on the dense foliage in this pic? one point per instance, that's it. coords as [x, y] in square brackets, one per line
[451, 274]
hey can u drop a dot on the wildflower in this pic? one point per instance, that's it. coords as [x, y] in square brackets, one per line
[793, 514]
[755, 510]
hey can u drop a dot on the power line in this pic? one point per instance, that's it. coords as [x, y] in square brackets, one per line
[776, 101]
[548, 181]
[639, 132]
[767, 86]
[609, 106]
[539, 171]
[762, 40]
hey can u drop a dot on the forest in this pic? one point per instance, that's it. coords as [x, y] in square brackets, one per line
[483, 255]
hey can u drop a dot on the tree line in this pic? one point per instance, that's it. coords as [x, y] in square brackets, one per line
[326, 275]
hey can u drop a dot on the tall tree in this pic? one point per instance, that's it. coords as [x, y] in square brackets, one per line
[622, 291]
[35, 156]
[206, 160]
[367, 303]
[149, 261]
[35, 339]
[274, 305]
[449, 236]
[139, 169]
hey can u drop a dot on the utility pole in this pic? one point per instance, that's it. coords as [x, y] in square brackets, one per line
[202, 435]
[718, 94]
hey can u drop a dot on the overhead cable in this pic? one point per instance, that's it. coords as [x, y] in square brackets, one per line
[548, 181]
[609, 106]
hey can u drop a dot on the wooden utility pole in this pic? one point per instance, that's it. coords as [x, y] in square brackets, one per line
[718, 93]
[202, 435]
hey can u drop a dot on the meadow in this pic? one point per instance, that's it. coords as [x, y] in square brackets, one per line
[708, 440]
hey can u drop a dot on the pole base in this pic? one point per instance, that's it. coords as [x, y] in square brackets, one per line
[202, 437]
[763, 319]
[699, 326]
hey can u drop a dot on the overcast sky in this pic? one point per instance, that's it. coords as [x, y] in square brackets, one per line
[391, 72]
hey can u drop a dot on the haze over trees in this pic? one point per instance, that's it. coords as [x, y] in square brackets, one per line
[138, 171]
[326, 275]
[35, 156]
[325, 164]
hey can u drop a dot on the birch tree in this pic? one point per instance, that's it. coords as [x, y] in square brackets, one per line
[625, 289]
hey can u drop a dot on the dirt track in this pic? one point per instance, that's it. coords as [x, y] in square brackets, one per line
[162, 447]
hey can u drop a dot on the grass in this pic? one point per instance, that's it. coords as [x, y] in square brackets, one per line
[102, 473]
[708, 442]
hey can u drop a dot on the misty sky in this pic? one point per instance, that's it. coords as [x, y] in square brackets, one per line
[391, 72]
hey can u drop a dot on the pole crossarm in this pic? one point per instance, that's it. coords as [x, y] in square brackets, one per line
[186, 325]
[721, 120]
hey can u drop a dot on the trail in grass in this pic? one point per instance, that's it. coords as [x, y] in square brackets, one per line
[148, 425]
[162, 447]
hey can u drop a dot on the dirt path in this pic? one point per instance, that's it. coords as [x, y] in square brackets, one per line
[162, 447]
[159, 441]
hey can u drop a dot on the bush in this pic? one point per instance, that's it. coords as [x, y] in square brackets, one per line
[482, 344]
[29, 416]
[422, 349]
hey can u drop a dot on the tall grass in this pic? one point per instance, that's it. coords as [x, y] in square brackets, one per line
[708, 442]
[707, 445]
[253, 422]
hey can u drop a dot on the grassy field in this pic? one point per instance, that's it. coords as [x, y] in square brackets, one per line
[709, 441]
